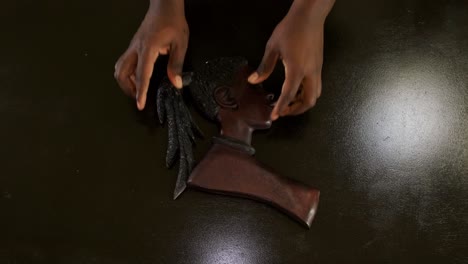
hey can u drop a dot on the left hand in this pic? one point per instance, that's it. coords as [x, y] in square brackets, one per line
[298, 41]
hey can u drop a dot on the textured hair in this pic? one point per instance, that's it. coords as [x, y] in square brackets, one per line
[181, 127]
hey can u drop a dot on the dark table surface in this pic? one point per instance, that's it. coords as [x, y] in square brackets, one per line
[82, 176]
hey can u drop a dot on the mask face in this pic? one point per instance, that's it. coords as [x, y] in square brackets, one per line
[241, 101]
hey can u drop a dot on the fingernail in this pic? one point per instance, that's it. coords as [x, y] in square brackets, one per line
[178, 82]
[253, 77]
[138, 102]
[274, 114]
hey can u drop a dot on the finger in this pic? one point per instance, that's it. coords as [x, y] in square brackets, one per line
[266, 67]
[144, 71]
[319, 86]
[133, 79]
[294, 108]
[124, 69]
[176, 63]
[288, 92]
[307, 100]
[295, 103]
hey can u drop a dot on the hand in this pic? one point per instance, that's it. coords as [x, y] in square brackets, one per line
[298, 42]
[164, 30]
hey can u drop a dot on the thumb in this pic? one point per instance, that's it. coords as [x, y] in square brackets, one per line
[175, 65]
[265, 68]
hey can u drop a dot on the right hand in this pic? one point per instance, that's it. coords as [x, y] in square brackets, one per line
[163, 31]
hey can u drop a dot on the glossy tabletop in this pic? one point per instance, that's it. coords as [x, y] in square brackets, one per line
[82, 175]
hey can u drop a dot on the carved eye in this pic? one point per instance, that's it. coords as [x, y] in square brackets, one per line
[270, 97]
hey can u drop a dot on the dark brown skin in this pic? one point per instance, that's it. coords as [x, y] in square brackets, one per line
[297, 41]
[244, 108]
